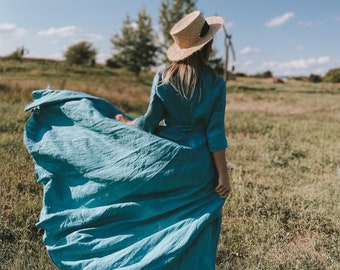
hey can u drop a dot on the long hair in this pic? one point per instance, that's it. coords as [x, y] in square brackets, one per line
[186, 75]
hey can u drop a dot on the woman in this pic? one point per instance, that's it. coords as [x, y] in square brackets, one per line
[117, 197]
[182, 94]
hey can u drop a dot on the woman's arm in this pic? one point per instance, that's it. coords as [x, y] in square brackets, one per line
[223, 188]
[154, 114]
[216, 127]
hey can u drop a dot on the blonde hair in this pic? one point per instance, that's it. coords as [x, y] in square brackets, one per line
[186, 75]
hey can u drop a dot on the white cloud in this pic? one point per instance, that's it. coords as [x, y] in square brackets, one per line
[92, 37]
[337, 18]
[298, 67]
[69, 32]
[229, 25]
[56, 56]
[300, 48]
[318, 71]
[7, 27]
[277, 21]
[102, 57]
[309, 24]
[247, 63]
[305, 24]
[66, 31]
[248, 50]
[269, 64]
[38, 54]
[305, 63]
[10, 30]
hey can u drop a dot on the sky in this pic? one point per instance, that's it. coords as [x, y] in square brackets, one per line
[287, 37]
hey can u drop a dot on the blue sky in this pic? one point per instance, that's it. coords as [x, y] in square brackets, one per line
[287, 37]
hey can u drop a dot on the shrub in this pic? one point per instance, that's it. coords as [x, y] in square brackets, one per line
[81, 53]
[18, 54]
[266, 74]
[113, 63]
[333, 75]
[314, 78]
[240, 74]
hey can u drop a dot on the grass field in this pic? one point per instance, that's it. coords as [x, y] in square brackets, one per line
[284, 159]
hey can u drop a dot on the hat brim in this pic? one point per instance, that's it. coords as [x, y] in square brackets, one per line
[175, 53]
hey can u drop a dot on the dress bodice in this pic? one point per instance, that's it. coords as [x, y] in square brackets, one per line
[204, 112]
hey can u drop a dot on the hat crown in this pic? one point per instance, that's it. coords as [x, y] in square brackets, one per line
[186, 32]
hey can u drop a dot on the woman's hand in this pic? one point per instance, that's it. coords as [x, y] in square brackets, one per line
[223, 189]
[122, 118]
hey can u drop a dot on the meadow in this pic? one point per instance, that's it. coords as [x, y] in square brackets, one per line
[284, 161]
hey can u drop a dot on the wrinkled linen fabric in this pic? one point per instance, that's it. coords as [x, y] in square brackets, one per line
[115, 196]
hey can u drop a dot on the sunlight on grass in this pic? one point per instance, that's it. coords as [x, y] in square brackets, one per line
[283, 157]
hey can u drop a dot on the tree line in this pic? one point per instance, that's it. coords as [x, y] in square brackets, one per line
[137, 46]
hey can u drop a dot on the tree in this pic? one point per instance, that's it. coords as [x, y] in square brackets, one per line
[81, 53]
[172, 11]
[333, 75]
[135, 46]
[18, 54]
[267, 74]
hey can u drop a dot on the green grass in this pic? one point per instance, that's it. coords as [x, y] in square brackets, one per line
[283, 157]
[284, 151]
[21, 244]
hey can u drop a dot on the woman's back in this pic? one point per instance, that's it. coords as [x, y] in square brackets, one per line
[194, 112]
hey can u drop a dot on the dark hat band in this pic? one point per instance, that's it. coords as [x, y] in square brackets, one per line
[205, 29]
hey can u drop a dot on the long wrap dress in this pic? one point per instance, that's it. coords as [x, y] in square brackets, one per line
[121, 197]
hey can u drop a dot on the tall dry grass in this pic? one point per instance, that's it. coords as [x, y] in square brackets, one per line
[283, 157]
[284, 212]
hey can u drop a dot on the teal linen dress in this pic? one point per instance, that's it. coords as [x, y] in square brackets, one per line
[120, 197]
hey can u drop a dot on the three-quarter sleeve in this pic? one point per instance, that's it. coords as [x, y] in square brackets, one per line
[216, 128]
[155, 112]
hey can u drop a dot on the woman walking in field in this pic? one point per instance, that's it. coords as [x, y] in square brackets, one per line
[117, 197]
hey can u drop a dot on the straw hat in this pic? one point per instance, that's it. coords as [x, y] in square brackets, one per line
[191, 33]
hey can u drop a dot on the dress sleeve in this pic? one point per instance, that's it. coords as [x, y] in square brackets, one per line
[216, 128]
[155, 113]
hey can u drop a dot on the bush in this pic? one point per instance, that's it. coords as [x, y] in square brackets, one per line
[18, 54]
[81, 53]
[113, 63]
[266, 74]
[240, 74]
[299, 78]
[333, 75]
[314, 78]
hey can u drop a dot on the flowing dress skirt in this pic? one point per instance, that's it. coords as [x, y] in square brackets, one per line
[116, 197]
